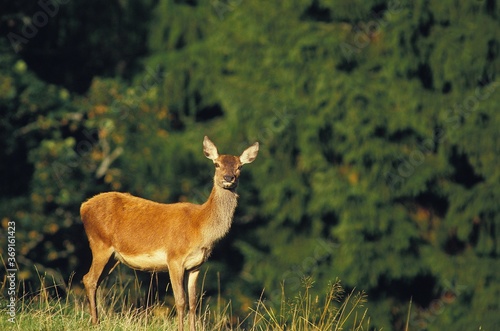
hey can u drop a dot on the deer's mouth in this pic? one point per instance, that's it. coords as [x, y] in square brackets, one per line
[228, 185]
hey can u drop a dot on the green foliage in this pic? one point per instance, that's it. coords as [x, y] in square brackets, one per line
[379, 147]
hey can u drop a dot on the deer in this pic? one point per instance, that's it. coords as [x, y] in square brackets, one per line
[176, 238]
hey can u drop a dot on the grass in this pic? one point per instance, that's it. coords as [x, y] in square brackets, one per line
[46, 309]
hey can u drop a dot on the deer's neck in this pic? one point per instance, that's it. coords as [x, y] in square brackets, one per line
[220, 208]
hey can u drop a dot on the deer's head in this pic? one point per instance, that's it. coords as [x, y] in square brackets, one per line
[227, 167]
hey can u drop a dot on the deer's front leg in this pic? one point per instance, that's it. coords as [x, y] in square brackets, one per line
[177, 280]
[192, 277]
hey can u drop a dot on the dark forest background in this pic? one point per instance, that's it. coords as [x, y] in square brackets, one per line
[379, 141]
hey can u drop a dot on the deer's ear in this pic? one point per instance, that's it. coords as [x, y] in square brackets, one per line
[209, 149]
[249, 154]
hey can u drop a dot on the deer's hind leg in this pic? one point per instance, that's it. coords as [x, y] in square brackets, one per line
[101, 255]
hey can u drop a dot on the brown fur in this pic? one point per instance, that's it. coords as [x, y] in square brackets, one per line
[152, 236]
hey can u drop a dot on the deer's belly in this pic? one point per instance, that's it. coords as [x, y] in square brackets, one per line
[154, 261]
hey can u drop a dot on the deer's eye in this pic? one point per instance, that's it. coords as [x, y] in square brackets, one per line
[217, 165]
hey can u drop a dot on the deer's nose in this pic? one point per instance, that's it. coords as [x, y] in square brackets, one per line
[228, 178]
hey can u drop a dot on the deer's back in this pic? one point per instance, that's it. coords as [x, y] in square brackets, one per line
[126, 221]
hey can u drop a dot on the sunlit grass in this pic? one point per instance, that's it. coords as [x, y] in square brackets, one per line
[49, 310]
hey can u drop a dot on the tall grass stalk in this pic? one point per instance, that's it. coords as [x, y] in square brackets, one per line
[308, 312]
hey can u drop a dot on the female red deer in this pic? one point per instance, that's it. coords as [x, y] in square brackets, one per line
[177, 238]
